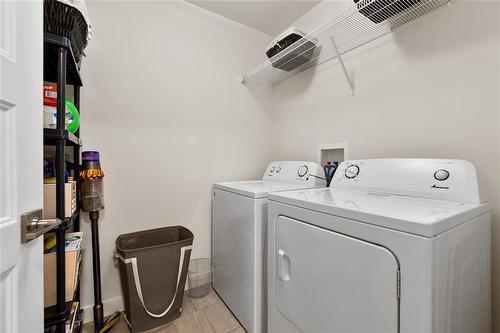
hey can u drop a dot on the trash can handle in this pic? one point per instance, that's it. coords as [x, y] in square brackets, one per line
[137, 281]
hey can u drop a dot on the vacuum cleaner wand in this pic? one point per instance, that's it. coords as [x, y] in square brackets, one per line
[96, 265]
[92, 176]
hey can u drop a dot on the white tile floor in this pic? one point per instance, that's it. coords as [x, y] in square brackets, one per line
[199, 315]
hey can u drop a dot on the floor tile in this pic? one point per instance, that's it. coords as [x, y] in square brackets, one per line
[170, 328]
[239, 330]
[203, 302]
[121, 326]
[88, 327]
[187, 306]
[217, 318]
[185, 324]
[199, 315]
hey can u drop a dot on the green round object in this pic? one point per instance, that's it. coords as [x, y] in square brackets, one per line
[73, 118]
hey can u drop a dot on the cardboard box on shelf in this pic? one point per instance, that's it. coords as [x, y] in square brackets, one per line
[49, 199]
[73, 265]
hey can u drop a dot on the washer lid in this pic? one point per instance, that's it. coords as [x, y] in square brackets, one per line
[256, 188]
[421, 216]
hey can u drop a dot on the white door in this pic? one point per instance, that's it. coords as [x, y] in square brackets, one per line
[332, 283]
[21, 163]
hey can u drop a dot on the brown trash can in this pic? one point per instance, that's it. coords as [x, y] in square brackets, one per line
[153, 267]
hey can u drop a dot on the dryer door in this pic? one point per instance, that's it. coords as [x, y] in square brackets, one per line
[329, 282]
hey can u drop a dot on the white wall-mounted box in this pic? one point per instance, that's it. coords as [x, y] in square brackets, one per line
[333, 152]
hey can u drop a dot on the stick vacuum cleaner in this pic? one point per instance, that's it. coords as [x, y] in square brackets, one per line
[91, 176]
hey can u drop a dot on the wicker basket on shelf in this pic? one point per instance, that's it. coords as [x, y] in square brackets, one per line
[67, 21]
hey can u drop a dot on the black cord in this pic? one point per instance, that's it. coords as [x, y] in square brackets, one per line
[316, 176]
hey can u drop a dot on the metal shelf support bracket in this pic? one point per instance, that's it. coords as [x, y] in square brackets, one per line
[341, 61]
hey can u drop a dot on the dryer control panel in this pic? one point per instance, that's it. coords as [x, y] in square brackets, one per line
[308, 174]
[453, 180]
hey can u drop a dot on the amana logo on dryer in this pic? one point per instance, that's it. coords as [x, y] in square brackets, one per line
[440, 187]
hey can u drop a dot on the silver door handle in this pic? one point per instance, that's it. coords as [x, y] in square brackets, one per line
[281, 257]
[33, 225]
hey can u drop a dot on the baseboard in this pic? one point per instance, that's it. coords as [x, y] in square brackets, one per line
[110, 306]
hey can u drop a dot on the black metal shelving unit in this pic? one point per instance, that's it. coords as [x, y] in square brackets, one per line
[60, 67]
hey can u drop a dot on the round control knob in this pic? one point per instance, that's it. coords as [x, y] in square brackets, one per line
[302, 171]
[272, 169]
[278, 169]
[441, 174]
[352, 171]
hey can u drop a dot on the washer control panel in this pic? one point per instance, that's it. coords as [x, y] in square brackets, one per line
[351, 171]
[302, 171]
[442, 174]
[427, 178]
[296, 172]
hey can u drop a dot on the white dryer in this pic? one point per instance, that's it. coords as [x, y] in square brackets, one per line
[394, 245]
[239, 224]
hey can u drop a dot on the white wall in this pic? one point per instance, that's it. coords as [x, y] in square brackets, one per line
[430, 90]
[163, 104]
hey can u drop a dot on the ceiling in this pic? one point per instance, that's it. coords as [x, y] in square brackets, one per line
[268, 16]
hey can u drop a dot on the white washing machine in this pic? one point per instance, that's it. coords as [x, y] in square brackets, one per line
[394, 245]
[239, 224]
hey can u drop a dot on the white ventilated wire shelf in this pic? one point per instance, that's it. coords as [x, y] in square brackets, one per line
[349, 30]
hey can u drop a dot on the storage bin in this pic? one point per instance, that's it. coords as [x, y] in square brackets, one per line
[153, 267]
[380, 10]
[64, 20]
[49, 200]
[302, 49]
[199, 274]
